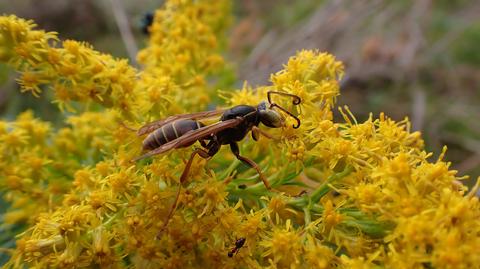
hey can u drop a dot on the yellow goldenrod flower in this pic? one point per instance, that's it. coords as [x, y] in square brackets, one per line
[283, 246]
[345, 194]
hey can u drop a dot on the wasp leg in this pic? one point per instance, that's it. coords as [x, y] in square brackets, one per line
[236, 151]
[204, 154]
[126, 126]
[210, 139]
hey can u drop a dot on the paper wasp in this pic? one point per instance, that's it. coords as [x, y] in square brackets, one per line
[238, 245]
[235, 123]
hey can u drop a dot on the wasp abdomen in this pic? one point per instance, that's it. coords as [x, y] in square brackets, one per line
[169, 132]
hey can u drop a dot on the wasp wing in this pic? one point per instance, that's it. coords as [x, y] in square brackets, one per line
[152, 126]
[192, 136]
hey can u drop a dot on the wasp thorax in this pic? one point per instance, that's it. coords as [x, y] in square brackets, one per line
[271, 118]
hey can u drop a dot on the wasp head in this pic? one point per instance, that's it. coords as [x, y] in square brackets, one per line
[270, 117]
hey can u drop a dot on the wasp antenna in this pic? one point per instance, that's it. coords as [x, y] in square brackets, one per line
[289, 113]
[126, 126]
[298, 123]
[296, 99]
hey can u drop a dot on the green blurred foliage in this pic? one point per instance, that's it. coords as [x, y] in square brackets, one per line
[466, 49]
[290, 13]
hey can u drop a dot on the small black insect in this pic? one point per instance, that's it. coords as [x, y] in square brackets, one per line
[238, 244]
[146, 22]
[242, 186]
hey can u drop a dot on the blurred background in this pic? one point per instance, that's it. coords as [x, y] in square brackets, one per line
[418, 59]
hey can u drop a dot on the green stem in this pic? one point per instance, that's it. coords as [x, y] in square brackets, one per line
[230, 169]
[321, 191]
[307, 216]
[324, 188]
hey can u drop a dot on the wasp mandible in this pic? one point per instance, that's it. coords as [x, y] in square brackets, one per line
[184, 130]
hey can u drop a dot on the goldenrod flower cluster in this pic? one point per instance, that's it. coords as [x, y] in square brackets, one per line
[344, 194]
[183, 54]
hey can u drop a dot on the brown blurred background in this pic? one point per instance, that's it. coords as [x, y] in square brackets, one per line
[406, 58]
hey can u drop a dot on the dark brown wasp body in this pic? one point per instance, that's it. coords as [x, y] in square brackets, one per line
[238, 244]
[235, 123]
